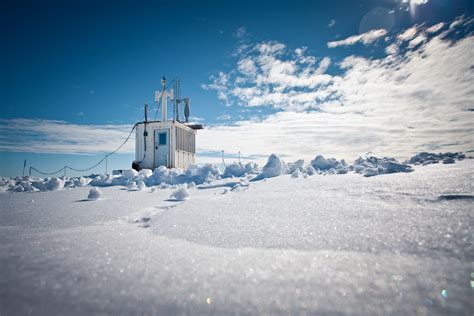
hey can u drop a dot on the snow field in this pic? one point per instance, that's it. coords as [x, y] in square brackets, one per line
[393, 245]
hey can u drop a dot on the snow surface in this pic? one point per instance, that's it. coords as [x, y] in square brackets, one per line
[398, 244]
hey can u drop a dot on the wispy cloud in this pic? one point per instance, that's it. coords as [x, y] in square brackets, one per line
[224, 117]
[365, 38]
[269, 74]
[331, 23]
[51, 136]
[416, 98]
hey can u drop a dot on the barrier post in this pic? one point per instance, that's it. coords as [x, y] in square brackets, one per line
[24, 166]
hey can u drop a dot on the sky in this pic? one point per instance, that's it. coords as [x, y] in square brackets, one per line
[295, 78]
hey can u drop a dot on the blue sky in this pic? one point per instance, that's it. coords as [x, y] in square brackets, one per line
[294, 77]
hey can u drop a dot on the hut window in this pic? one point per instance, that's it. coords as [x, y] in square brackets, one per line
[162, 139]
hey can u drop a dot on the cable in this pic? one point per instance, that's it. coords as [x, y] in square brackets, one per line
[95, 165]
[82, 170]
[46, 173]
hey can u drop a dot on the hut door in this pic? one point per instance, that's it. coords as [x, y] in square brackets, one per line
[162, 147]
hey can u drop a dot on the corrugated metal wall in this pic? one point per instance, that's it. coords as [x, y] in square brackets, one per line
[185, 140]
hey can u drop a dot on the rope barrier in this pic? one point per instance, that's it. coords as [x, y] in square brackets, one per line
[86, 169]
[47, 173]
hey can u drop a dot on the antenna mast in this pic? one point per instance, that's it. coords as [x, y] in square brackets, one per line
[177, 100]
[164, 95]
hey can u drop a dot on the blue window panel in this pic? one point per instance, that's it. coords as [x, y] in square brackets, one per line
[162, 139]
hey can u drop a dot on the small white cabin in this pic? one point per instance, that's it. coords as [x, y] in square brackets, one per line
[168, 143]
[171, 144]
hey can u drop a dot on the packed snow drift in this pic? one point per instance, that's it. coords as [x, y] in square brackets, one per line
[137, 181]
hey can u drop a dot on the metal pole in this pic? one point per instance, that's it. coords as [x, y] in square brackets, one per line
[24, 166]
[106, 163]
[239, 156]
[223, 163]
[65, 168]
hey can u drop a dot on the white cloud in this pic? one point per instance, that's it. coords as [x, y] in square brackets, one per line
[461, 21]
[50, 136]
[331, 23]
[365, 38]
[268, 74]
[435, 28]
[391, 49]
[408, 34]
[241, 32]
[224, 117]
[417, 98]
[247, 67]
[219, 84]
[417, 41]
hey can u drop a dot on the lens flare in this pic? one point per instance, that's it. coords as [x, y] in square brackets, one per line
[413, 6]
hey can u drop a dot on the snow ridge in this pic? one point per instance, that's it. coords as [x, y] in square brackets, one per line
[196, 175]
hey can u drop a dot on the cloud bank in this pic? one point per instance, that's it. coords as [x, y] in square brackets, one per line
[418, 97]
[52, 136]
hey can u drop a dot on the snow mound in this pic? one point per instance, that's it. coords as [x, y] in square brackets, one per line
[295, 166]
[207, 173]
[181, 194]
[330, 165]
[55, 184]
[372, 166]
[426, 158]
[239, 170]
[80, 182]
[196, 174]
[129, 173]
[145, 173]
[141, 185]
[275, 166]
[94, 194]
[132, 186]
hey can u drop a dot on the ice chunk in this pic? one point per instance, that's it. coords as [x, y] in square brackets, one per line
[132, 186]
[141, 185]
[370, 172]
[310, 170]
[180, 194]
[274, 167]
[234, 170]
[80, 182]
[426, 158]
[55, 184]
[94, 194]
[129, 173]
[448, 160]
[372, 166]
[207, 173]
[252, 168]
[321, 163]
[145, 173]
